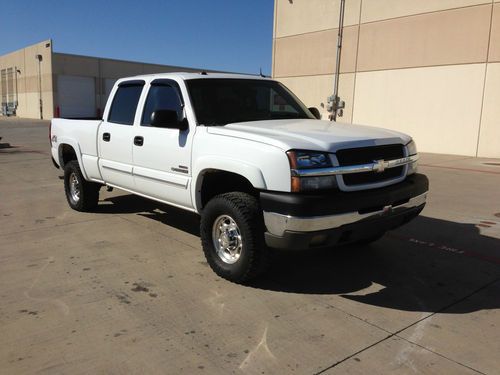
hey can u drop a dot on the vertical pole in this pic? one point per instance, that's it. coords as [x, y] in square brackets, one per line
[40, 87]
[17, 90]
[337, 67]
[39, 58]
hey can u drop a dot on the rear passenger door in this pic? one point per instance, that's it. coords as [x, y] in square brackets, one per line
[162, 158]
[116, 136]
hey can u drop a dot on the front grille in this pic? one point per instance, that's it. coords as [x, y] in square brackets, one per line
[356, 156]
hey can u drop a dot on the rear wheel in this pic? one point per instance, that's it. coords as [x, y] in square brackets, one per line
[232, 236]
[81, 194]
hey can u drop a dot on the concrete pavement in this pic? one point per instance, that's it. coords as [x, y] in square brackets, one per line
[127, 290]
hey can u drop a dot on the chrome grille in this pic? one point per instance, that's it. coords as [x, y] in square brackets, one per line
[356, 156]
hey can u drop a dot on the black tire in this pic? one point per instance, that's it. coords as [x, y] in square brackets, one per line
[88, 191]
[245, 211]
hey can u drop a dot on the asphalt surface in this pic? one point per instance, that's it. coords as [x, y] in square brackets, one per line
[127, 290]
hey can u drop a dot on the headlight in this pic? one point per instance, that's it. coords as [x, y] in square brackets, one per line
[310, 160]
[411, 148]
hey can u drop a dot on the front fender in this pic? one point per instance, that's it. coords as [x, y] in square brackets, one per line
[251, 172]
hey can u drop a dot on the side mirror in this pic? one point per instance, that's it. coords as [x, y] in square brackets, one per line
[165, 118]
[315, 112]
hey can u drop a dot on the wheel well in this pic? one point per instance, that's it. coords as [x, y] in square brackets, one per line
[66, 154]
[217, 182]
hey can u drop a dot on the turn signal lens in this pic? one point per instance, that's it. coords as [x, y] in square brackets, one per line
[411, 148]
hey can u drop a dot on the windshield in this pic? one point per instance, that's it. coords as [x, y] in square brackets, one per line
[224, 101]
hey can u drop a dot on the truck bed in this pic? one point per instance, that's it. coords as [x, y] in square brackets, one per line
[66, 131]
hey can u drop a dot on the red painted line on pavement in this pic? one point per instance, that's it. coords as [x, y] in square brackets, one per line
[458, 169]
[453, 250]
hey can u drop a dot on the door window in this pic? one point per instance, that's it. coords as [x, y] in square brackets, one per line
[161, 97]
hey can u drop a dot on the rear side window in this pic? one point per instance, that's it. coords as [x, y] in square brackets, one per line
[125, 103]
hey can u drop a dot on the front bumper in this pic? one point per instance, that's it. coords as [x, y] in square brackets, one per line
[298, 221]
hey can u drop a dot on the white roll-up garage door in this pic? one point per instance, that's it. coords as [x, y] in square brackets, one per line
[76, 96]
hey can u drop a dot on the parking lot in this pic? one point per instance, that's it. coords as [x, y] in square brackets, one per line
[127, 290]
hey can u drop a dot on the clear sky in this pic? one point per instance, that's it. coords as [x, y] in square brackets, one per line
[231, 35]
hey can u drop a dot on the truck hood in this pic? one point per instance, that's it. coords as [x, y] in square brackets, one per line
[310, 134]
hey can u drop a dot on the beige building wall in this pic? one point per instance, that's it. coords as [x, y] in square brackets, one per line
[103, 71]
[27, 76]
[428, 68]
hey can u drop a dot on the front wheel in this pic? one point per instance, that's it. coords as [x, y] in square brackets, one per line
[81, 194]
[232, 236]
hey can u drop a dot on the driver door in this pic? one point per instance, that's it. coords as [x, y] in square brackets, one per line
[162, 156]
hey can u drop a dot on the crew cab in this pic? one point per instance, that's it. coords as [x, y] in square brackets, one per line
[246, 154]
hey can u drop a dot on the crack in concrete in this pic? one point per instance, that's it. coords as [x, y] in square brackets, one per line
[396, 334]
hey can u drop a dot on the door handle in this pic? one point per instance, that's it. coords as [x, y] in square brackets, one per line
[138, 140]
[106, 137]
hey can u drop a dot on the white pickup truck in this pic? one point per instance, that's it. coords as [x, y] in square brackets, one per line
[243, 152]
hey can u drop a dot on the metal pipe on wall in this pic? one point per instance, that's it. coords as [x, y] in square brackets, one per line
[40, 58]
[16, 72]
[335, 100]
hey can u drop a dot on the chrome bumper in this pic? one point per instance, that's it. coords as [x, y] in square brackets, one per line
[278, 224]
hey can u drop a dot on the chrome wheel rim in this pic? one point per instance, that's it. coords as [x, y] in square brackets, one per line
[74, 187]
[227, 240]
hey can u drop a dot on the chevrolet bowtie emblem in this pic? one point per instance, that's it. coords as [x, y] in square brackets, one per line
[379, 166]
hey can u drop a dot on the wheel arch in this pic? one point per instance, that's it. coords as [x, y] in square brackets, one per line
[69, 150]
[215, 177]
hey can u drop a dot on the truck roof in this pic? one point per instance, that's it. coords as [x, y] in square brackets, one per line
[200, 75]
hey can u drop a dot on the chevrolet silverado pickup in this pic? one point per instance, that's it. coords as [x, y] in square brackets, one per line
[259, 167]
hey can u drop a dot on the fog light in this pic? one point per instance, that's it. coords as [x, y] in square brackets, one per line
[318, 240]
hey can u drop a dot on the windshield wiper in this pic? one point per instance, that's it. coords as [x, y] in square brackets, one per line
[291, 116]
[212, 124]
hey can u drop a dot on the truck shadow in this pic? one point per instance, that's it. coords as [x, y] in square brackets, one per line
[425, 266]
[132, 204]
